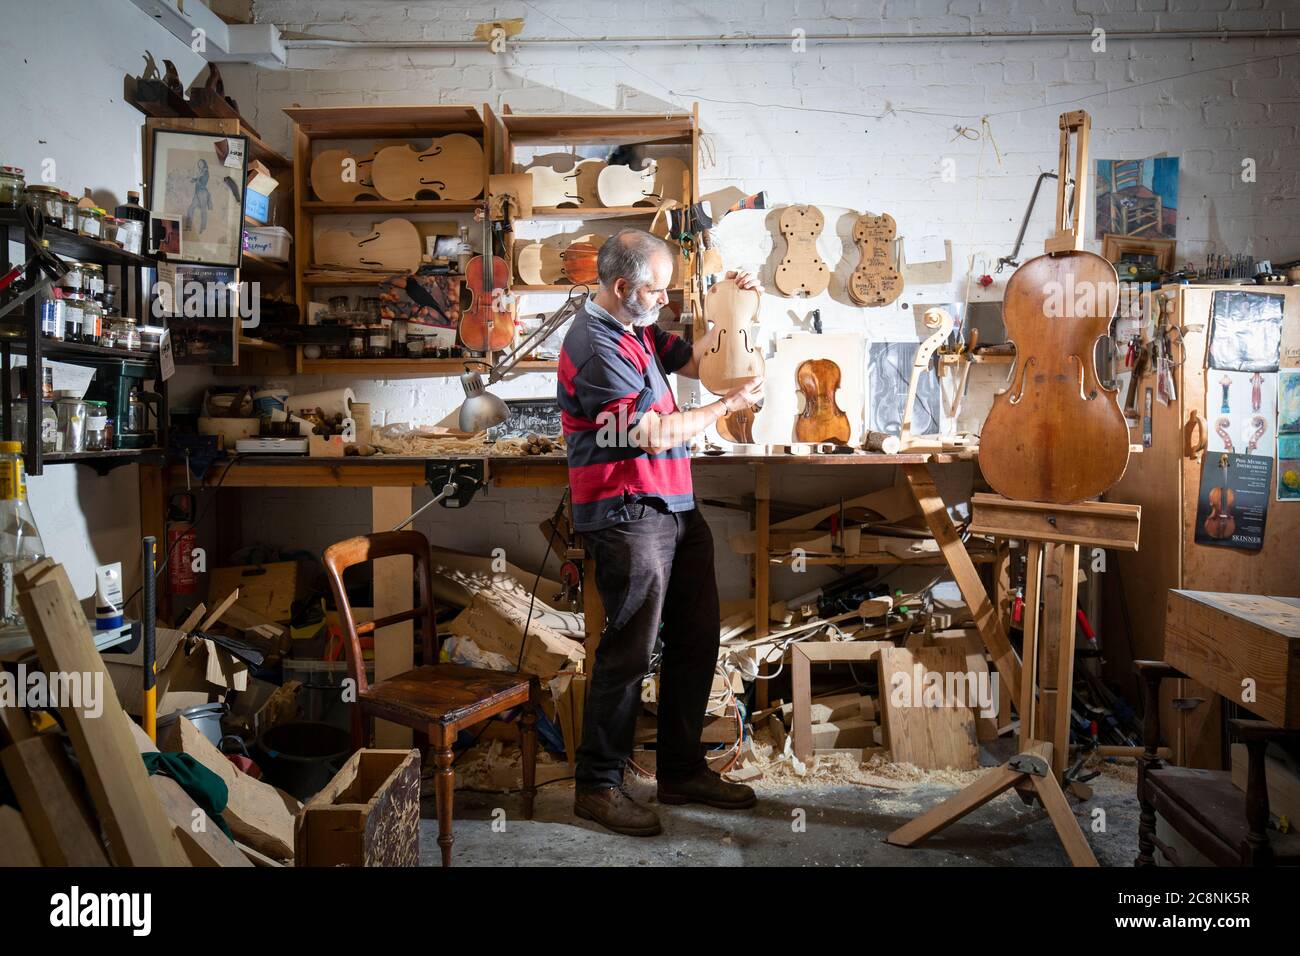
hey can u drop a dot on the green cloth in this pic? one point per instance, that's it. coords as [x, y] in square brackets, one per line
[205, 788]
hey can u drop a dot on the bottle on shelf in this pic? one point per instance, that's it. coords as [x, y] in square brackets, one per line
[20, 540]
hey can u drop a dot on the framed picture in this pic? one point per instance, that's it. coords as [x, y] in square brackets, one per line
[198, 181]
[1133, 256]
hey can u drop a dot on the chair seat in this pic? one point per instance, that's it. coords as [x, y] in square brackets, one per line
[446, 693]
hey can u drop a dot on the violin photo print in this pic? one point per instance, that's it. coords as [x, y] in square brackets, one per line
[488, 434]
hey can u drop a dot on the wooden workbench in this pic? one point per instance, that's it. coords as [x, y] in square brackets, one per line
[393, 478]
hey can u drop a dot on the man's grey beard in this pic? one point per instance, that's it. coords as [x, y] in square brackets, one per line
[639, 317]
[650, 318]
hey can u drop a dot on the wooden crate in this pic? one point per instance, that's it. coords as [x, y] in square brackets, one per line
[368, 815]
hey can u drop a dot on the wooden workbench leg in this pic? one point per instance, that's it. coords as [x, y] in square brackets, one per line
[964, 573]
[394, 593]
[801, 701]
[762, 567]
[1029, 647]
[1064, 677]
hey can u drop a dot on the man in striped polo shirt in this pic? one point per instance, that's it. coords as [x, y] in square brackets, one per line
[630, 483]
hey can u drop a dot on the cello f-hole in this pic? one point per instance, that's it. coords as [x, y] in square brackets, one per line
[436, 151]
[1024, 380]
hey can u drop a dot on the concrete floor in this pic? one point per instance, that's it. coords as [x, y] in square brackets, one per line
[846, 825]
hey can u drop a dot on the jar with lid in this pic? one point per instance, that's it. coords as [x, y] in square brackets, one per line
[69, 210]
[415, 346]
[47, 201]
[74, 305]
[399, 338]
[90, 221]
[130, 235]
[109, 298]
[70, 413]
[357, 342]
[12, 187]
[111, 228]
[378, 341]
[74, 280]
[92, 321]
[92, 280]
[124, 333]
[99, 430]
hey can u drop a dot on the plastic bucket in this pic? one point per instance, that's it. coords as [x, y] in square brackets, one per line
[302, 756]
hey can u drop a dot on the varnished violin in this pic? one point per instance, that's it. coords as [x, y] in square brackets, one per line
[822, 419]
[488, 324]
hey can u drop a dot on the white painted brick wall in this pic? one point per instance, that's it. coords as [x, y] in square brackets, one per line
[770, 117]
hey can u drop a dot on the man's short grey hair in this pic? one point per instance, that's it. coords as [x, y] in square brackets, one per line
[629, 254]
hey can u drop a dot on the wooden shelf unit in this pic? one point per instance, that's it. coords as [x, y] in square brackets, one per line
[399, 124]
[511, 129]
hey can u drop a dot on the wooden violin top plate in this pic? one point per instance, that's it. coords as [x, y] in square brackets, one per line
[876, 281]
[802, 272]
[392, 246]
[538, 263]
[585, 175]
[452, 167]
[734, 358]
[551, 188]
[625, 186]
[670, 179]
[338, 175]
[1056, 434]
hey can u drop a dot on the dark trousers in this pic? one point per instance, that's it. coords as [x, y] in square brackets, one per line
[653, 568]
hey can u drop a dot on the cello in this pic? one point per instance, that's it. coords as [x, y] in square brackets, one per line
[1057, 434]
[1219, 523]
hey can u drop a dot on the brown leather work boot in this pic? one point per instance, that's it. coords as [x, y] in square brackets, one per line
[710, 789]
[614, 809]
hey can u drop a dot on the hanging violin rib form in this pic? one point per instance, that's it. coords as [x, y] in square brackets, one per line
[625, 186]
[391, 246]
[1057, 435]
[339, 176]
[822, 419]
[1219, 523]
[802, 271]
[876, 281]
[452, 167]
[733, 359]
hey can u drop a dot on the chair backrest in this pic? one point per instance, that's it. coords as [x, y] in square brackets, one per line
[364, 549]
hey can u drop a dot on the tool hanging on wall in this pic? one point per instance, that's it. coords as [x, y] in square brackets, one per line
[876, 281]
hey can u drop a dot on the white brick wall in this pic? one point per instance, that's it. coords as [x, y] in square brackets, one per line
[766, 111]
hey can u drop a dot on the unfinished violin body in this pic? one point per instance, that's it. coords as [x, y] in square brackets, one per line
[821, 419]
[452, 167]
[553, 188]
[339, 176]
[625, 186]
[734, 359]
[802, 271]
[1056, 435]
[392, 246]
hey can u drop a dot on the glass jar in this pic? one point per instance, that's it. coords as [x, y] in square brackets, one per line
[74, 305]
[92, 321]
[399, 337]
[47, 201]
[74, 280]
[130, 235]
[415, 346]
[112, 228]
[90, 221]
[53, 315]
[357, 342]
[12, 187]
[70, 412]
[124, 333]
[50, 438]
[92, 280]
[379, 342]
[99, 433]
[69, 211]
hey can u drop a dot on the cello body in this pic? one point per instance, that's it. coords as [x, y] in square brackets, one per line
[1056, 434]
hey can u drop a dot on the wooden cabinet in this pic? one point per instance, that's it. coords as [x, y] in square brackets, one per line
[1165, 480]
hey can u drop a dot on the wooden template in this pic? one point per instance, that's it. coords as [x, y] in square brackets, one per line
[391, 246]
[510, 189]
[802, 272]
[876, 281]
[338, 175]
[538, 263]
[551, 188]
[671, 180]
[452, 167]
[941, 321]
[625, 186]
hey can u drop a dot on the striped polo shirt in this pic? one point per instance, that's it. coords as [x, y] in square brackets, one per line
[609, 376]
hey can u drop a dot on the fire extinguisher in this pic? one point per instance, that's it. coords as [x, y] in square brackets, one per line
[182, 539]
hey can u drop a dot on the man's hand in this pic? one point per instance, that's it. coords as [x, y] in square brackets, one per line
[745, 280]
[744, 396]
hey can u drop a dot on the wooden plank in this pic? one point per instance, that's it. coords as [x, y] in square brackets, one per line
[950, 811]
[1064, 677]
[1063, 819]
[1100, 524]
[1050, 630]
[1028, 704]
[125, 803]
[967, 578]
[762, 570]
[394, 592]
[16, 845]
[1283, 783]
[54, 807]
[930, 737]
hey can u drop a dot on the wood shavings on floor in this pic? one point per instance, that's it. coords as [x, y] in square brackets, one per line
[429, 446]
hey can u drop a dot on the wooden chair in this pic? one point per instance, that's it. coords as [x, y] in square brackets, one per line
[436, 700]
[1204, 806]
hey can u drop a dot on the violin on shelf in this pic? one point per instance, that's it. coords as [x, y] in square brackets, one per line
[487, 324]
[1057, 435]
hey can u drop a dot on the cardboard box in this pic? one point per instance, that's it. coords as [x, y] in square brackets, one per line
[190, 673]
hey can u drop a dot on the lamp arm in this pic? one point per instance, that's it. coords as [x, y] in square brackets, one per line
[577, 297]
